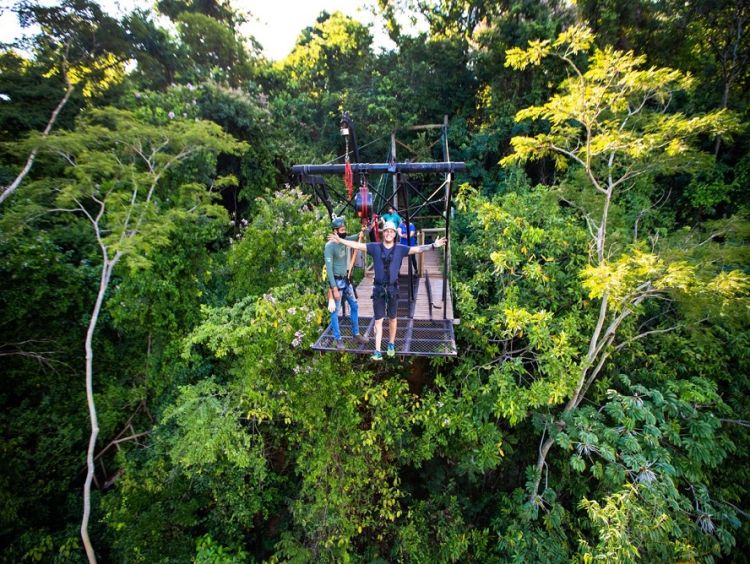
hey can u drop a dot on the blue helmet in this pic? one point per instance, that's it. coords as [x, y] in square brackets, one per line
[337, 223]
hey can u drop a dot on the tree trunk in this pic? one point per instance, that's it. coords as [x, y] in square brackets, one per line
[417, 375]
[724, 105]
[581, 388]
[8, 190]
[103, 284]
[540, 462]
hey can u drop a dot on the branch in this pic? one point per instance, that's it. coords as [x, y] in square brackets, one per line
[116, 442]
[127, 217]
[647, 333]
[65, 156]
[576, 158]
[95, 224]
[42, 357]
[590, 223]
[741, 422]
[8, 190]
[594, 373]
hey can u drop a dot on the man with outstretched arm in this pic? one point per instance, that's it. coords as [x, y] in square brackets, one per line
[339, 283]
[386, 257]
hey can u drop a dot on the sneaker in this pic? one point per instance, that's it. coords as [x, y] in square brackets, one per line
[339, 344]
[361, 339]
[376, 356]
[391, 351]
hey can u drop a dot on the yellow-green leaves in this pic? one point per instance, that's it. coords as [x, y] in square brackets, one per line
[610, 116]
[637, 274]
[575, 39]
[519, 59]
[519, 320]
[730, 284]
[97, 76]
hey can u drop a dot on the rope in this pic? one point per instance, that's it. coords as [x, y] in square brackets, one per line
[348, 179]
[348, 175]
[333, 160]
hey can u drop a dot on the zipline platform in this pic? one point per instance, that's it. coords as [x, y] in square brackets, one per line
[425, 323]
[414, 337]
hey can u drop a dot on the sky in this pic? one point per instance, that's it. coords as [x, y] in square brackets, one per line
[275, 23]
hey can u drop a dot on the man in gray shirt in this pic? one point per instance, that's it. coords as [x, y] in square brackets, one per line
[338, 281]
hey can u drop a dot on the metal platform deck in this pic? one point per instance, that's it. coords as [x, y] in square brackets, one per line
[414, 337]
[425, 323]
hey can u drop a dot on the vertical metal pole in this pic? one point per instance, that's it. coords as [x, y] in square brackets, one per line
[395, 180]
[446, 261]
[408, 241]
[446, 154]
[449, 182]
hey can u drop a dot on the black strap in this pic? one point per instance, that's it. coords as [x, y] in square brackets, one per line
[387, 260]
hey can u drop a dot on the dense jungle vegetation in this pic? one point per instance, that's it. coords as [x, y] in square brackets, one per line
[158, 265]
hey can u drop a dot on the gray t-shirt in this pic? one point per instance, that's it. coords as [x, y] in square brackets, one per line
[336, 256]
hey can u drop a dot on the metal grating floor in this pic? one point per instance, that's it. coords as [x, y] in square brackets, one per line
[414, 337]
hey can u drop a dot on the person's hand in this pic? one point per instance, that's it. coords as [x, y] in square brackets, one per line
[336, 294]
[440, 242]
[334, 237]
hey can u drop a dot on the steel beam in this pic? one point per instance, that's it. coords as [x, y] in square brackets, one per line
[307, 169]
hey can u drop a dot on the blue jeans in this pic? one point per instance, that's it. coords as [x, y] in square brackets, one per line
[346, 292]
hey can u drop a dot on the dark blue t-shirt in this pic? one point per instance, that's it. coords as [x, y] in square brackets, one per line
[395, 253]
[412, 241]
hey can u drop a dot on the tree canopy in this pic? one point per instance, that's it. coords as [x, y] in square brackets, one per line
[161, 288]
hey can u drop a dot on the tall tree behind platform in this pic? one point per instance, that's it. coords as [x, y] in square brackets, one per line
[119, 178]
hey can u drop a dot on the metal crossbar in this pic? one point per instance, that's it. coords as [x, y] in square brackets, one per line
[380, 167]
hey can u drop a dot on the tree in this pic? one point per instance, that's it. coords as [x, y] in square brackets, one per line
[329, 54]
[705, 37]
[155, 51]
[211, 43]
[215, 50]
[120, 176]
[80, 44]
[720, 42]
[611, 119]
[446, 18]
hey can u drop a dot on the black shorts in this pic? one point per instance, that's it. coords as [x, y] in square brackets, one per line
[385, 298]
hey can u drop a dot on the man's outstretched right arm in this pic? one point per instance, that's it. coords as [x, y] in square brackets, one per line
[351, 244]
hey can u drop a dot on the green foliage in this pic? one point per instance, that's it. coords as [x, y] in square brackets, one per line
[435, 531]
[121, 167]
[607, 118]
[208, 552]
[283, 238]
[215, 51]
[156, 52]
[327, 53]
[241, 115]
[525, 298]
[234, 441]
[32, 98]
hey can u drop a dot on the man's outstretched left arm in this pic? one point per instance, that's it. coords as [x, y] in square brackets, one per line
[422, 248]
